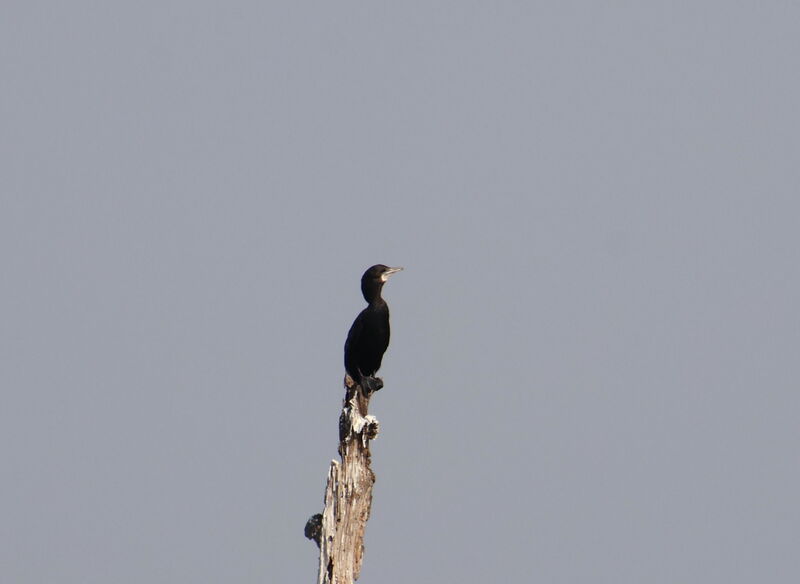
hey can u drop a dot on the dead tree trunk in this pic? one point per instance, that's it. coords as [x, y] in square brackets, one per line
[339, 529]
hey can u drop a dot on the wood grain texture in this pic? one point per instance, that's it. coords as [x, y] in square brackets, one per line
[348, 493]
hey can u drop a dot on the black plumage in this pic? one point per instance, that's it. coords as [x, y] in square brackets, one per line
[369, 335]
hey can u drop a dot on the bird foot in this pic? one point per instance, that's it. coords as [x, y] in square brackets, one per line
[371, 384]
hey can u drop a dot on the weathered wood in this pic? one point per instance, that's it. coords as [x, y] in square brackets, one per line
[339, 531]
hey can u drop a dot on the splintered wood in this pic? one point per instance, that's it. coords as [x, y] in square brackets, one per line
[348, 494]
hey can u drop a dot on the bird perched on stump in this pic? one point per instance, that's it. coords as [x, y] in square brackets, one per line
[369, 335]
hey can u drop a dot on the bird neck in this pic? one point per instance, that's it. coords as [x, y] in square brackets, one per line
[372, 292]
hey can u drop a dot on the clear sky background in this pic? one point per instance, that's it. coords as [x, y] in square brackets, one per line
[594, 369]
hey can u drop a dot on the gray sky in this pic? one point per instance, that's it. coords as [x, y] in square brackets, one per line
[593, 374]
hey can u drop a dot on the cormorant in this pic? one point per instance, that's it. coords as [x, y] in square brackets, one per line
[369, 336]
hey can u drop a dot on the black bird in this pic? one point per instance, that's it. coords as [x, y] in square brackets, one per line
[369, 336]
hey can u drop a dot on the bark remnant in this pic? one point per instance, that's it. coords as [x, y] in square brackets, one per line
[339, 531]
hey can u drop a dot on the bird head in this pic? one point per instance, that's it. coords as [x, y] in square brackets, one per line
[379, 272]
[374, 278]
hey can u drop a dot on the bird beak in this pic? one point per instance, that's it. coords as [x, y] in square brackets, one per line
[389, 272]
